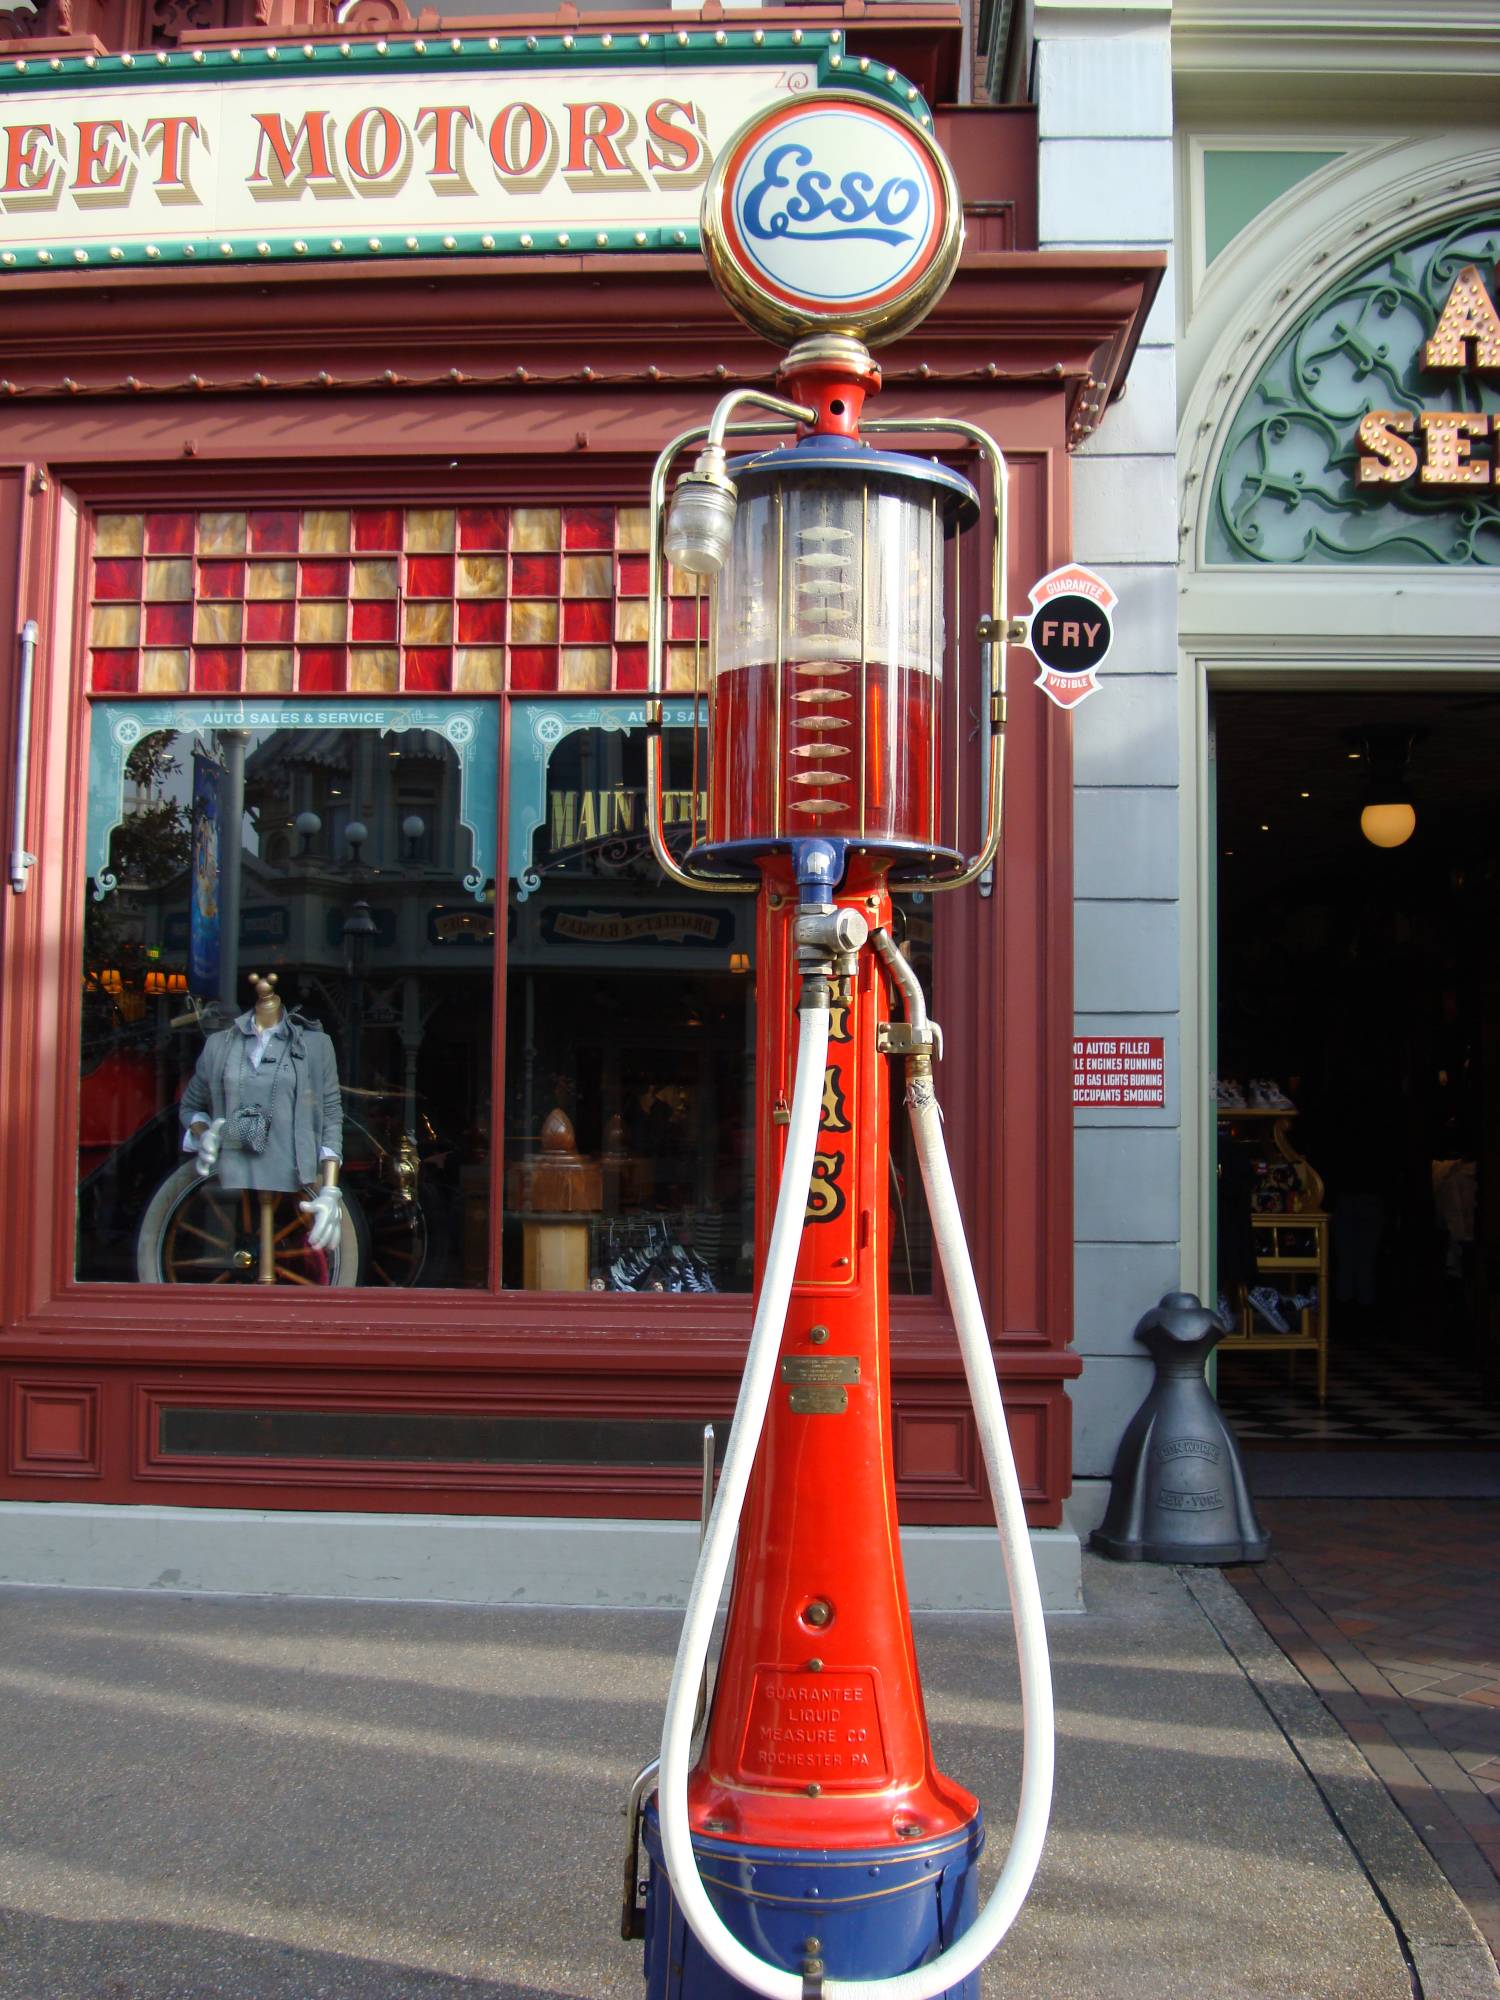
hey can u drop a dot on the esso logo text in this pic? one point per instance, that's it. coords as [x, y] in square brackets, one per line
[834, 207]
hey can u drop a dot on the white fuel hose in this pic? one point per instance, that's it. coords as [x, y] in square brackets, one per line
[961, 1958]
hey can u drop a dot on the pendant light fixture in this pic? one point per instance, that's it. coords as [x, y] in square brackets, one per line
[1388, 818]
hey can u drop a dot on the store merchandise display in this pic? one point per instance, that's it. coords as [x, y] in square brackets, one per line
[650, 1258]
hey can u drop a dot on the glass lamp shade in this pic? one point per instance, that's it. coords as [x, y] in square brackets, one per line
[700, 521]
[828, 650]
[1389, 824]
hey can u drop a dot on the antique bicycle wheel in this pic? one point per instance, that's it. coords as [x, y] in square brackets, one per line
[195, 1232]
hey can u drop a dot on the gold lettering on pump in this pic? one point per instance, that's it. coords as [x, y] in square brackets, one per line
[1448, 462]
[1391, 459]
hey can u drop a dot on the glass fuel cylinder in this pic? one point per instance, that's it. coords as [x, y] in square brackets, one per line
[828, 648]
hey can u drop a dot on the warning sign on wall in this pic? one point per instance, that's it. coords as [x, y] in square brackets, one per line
[1115, 1070]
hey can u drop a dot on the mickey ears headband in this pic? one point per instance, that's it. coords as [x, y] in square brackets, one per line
[271, 978]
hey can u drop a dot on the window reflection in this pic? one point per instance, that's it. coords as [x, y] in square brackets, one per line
[336, 858]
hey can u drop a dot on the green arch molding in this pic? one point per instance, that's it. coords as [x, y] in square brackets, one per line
[1285, 490]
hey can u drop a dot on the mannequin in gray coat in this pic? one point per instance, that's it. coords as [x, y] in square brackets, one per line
[263, 1110]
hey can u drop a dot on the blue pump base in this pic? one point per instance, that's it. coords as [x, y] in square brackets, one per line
[874, 1911]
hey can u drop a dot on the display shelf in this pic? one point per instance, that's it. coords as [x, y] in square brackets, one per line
[1292, 1242]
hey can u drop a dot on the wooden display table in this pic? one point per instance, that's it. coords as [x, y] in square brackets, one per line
[1290, 1242]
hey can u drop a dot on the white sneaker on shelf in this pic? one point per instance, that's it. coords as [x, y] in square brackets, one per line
[1267, 1303]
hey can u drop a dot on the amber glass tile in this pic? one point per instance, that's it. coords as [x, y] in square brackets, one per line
[216, 669]
[680, 584]
[119, 534]
[372, 621]
[273, 534]
[325, 531]
[588, 527]
[534, 576]
[221, 534]
[635, 576]
[533, 669]
[271, 579]
[588, 576]
[218, 624]
[322, 669]
[172, 578]
[429, 624]
[534, 528]
[376, 579]
[479, 669]
[325, 579]
[586, 621]
[221, 579]
[532, 624]
[270, 623]
[429, 576]
[429, 530]
[633, 528]
[682, 668]
[584, 669]
[631, 618]
[320, 624]
[268, 671]
[116, 579]
[630, 667]
[164, 671]
[374, 669]
[481, 527]
[115, 625]
[168, 624]
[377, 530]
[115, 673]
[169, 534]
[481, 621]
[481, 576]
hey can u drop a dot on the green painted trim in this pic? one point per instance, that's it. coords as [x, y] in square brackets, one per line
[722, 47]
[1241, 182]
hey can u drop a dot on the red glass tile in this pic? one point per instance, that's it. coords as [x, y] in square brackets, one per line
[589, 620]
[533, 669]
[481, 621]
[481, 528]
[533, 576]
[117, 579]
[681, 619]
[429, 669]
[221, 579]
[322, 669]
[269, 621]
[429, 576]
[325, 579]
[588, 527]
[373, 621]
[635, 576]
[115, 670]
[273, 534]
[377, 530]
[216, 670]
[169, 534]
[630, 666]
[168, 624]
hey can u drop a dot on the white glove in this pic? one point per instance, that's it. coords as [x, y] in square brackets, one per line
[207, 1157]
[326, 1209]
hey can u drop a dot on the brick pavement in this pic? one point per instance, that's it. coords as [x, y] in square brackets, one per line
[1391, 1609]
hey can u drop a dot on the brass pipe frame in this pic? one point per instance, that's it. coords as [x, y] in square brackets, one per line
[996, 643]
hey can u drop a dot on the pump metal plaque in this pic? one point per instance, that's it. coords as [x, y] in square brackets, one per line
[832, 215]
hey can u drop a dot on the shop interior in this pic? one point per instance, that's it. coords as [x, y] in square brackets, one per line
[1357, 1084]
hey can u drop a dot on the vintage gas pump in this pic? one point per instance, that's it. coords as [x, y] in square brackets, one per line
[801, 1840]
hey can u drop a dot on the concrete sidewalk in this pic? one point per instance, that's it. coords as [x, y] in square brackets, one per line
[288, 1800]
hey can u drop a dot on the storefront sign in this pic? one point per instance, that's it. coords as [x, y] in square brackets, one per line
[1070, 632]
[835, 214]
[678, 927]
[1467, 336]
[1115, 1071]
[461, 144]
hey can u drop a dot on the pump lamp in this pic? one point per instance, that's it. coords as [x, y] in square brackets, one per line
[1387, 818]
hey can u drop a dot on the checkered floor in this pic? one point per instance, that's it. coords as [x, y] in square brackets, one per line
[1380, 1395]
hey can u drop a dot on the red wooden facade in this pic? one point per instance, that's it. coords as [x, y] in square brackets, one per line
[546, 380]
